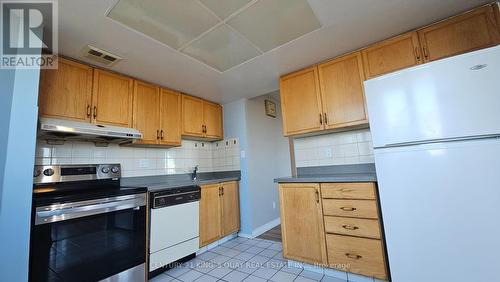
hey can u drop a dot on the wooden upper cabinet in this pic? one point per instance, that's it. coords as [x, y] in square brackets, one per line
[192, 116]
[302, 223]
[496, 10]
[66, 92]
[212, 116]
[170, 117]
[464, 33]
[391, 55]
[230, 208]
[146, 112]
[112, 99]
[210, 214]
[301, 102]
[342, 92]
[201, 119]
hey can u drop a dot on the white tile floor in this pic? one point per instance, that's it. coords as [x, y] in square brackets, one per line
[241, 259]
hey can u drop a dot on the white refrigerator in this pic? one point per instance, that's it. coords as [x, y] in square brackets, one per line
[436, 137]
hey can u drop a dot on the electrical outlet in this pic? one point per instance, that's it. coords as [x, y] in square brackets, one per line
[274, 205]
[144, 163]
[329, 152]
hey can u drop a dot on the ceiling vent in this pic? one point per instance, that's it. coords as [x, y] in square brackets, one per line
[99, 55]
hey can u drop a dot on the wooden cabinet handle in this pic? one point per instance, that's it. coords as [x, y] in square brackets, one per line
[320, 119]
[348, 208]
[222, 189]
[317, 196]
[417, 54]
[88, 111]
[206, 132]
[350, 227]
[157, 134]
[95, 112]
[345, 190]
[353, 256]
[426, 53]
[161, 134]
[325, 118]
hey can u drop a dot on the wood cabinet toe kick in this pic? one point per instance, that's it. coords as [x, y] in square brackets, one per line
[337, 225]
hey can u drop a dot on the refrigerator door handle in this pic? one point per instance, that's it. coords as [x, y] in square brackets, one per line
[445, 140]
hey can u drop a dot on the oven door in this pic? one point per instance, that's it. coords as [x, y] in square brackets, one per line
[90, 240]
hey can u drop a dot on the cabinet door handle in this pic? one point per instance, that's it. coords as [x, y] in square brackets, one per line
[345, 190]
[320, 119]
[352, 256]
[222, 189]
[350, 227]
[417, 54]
[205, 129]
[88, 111]
[317, 196]
[161, 134]
[325, 118]
[95, 112]
[157, 134]
[426, 53]
[348, 208]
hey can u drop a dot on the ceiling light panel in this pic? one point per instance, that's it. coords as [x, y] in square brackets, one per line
[272, 23]
[222, 48]
[173, 22]
[224, 8]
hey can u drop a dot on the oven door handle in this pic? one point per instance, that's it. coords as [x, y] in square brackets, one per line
[61, 214]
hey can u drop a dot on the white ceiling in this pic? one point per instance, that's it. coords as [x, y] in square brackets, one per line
[346, 25]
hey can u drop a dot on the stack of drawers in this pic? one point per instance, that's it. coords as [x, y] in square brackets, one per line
[352, 227]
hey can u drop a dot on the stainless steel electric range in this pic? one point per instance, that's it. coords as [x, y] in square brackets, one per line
[85, 226]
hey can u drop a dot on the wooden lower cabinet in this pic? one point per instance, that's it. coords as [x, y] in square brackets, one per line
[302, 223]
[357, 255]
[219, 211]
[230, 208]
[333, 224]
[210, 214]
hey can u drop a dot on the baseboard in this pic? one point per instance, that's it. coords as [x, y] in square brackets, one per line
[261, 229]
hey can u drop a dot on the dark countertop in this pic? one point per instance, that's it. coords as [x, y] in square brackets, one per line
[165, 182]
[336, 173]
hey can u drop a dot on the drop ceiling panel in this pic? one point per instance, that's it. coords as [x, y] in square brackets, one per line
[173, 22]
[272, 23]
[222, 48]
[224, 8]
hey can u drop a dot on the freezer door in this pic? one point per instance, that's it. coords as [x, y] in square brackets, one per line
[441, 208]
[454, 97]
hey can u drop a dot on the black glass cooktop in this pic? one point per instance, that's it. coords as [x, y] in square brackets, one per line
[47, 194]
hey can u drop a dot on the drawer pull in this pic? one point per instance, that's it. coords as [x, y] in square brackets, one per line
[353, 256]
[345, 190]
[348, 208]
[350, 227]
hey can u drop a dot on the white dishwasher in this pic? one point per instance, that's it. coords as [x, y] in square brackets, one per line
[174, 227]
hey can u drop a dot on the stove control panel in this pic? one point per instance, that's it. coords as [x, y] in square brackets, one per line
[66, 173]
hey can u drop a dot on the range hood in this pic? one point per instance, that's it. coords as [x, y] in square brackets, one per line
[58, 129]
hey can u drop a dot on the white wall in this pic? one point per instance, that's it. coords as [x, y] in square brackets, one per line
[350, 147]
[140, 161]
[18, 115]
[266, 156]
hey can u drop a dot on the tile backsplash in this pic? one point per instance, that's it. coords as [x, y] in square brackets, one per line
[137, 161]
[350, 147]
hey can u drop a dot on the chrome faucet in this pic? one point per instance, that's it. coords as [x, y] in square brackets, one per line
[194, 175]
